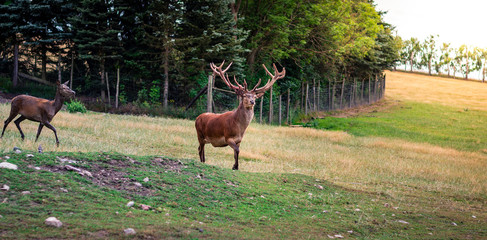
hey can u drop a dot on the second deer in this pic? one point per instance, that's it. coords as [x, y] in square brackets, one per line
[227, 129]
[38, 109]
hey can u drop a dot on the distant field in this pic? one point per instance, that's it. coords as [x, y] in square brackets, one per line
[425, 148]
[429, 89]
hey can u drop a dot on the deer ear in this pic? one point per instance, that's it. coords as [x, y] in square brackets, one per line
[258, 95]
[66, 83]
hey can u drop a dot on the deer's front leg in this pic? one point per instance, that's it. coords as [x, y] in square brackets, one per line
[236, 151]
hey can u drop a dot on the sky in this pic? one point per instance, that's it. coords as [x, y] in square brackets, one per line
[455, 21]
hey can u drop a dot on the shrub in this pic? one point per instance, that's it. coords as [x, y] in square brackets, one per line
[75, 106]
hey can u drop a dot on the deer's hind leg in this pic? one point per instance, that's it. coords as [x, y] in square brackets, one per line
[41, 125]
[17, 123]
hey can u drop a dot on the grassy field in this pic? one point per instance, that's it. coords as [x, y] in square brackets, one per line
[423, 151]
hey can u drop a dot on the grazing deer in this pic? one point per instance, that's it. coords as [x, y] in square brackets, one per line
[38, 109]
[227, 129]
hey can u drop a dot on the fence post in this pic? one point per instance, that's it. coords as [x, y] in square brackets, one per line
[369, 90]
[288, 103]
[333, 95]
[210, 94]
[341, 94]
[280, 117]
[314, 94]
[306, 100]
[270, 107]
[318, 101]
[261, 105]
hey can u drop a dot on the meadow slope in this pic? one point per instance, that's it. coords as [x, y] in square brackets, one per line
[427, 177]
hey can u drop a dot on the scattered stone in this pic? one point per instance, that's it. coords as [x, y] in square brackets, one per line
[201, 230]
[25, 192]
[37, 168]
[17, 151]
[350, 231]
[52, 221]
[329, 236]
[64, 190]
[357, 210]
[39, 149]
[319, 186]
[80, 171]
[338, 236]
[5, 187]
[454, 224]
[474, 216]
[386, 205]
[146, 179]
[402, 221]
[130, 204]
[8, 166]
[138, 184]
[145, 207]
[325, 211]
[129, 231]
[7, 157]
[66, 160]
[29, 155]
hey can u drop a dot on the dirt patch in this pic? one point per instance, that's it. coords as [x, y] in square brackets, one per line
[111, 173]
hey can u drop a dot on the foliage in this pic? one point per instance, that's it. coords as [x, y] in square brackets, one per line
[176, 40]
[75, 106]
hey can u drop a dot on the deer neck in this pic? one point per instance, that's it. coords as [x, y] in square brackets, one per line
[244, 116]
[58, 101]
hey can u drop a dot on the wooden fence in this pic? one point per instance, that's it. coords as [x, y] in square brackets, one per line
[315, 96]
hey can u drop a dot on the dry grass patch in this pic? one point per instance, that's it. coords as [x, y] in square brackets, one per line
[429, 89]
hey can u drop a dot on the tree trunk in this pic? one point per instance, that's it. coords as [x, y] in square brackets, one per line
[15, 75]
[318, 97]
[44, 62]
[314, 95]
[59, 72]
[166, 75]
[118, 86]
[102, 79]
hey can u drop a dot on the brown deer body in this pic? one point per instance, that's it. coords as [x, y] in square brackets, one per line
[227, 129]
[38, 109]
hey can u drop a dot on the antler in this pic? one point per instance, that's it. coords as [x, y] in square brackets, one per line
[218, 70]
[270, 82]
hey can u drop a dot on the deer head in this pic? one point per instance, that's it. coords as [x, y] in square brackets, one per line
[64, 90]
[248, 96]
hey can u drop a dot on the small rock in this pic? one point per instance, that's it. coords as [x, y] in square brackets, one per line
[5, 187]
[64, 190]
[8, 166]
[7, 157]
[39, 149]
[17, 151]
[130, 204]
[350, 231]
[338, 236]
[386, 205]
[37, 168]
[454, 224]
[474, 216]
[201, 230]
[145, 207]
[357, 210]
[29, 155]
[138, 184]
[320, 187]
[52, 221]
[146, 179]
[402, 221]
[25, 192]
[1, 216]
[329, 236]
[129, 231]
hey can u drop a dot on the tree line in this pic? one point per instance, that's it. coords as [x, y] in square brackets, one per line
[161, 50]
[442, 57]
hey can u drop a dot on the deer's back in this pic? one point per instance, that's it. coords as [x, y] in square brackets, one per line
[30, 107]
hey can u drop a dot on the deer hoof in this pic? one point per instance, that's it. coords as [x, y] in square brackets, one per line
[235, 168]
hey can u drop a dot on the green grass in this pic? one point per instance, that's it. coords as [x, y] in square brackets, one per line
[191, 200]
[450, 127]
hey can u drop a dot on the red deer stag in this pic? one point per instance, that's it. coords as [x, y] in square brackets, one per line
[38, 109]
[227, 129]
